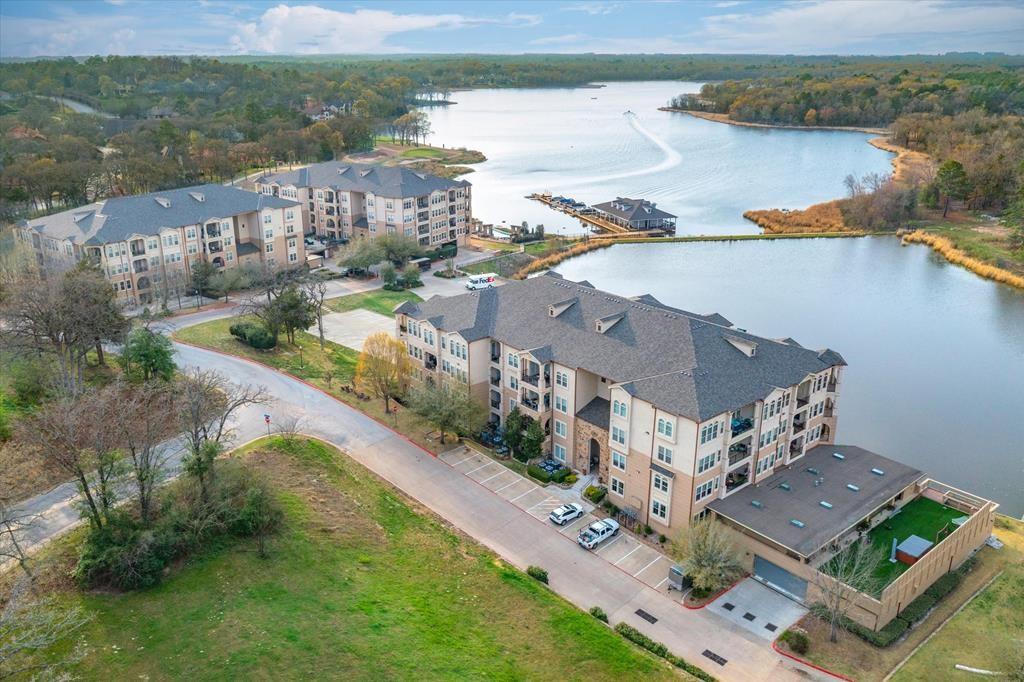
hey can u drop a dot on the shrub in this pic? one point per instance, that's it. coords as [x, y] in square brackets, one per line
[796, 640]
[662, 539]
[571, 478]
[882, 638]
[944, 585]
[610, 508]
[560, 475]
[537, 573]
[253, 335]
[598, 612]
[659, 649]
[595, 494]
[125, 555]
[917, 609]
[647, 529]
[538, 473]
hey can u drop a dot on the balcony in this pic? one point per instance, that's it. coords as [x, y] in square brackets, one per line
[832, 385]
[430, 361]
[495, 377]
[213, 230]
[734, 480]
[215, 247]
[530, 400]
[829, 411]
[802, 402]
[796, 447]
[495, 400]
[138, 247]
[738, 453]
[140, 265]
[741, 425]
[495, 352]
[799, 424]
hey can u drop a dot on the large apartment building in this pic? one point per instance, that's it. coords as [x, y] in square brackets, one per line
[146, 244]
[344, 200]
[670, 409]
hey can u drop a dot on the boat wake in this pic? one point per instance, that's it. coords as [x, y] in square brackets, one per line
[671, 159]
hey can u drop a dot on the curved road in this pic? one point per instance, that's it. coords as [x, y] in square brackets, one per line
[583, 578]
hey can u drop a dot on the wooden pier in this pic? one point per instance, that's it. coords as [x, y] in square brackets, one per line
[606, 228]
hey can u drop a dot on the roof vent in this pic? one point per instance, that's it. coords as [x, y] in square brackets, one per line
[421, 176]
[603, 324]
[342, 170]
[877, 472]
[854, 488]
[756, 503]
[364, 173]
[838, 455]
[785, 485]
[826, 505]
[745, 346]
[797, 522]
[812, 470]
[163, 201]
[198, 196]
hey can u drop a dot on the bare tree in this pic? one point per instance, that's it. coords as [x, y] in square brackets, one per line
[29, 631]
[316, 294]
[842, 577]
[289, 427]
[206, 403]
[14, 523]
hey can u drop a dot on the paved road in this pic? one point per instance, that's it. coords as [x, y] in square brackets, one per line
[584, 578]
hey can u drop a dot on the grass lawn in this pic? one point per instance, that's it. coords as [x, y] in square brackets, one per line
[980, 635]
[988, 631]
[984, 240]
[921, 517]
[359, 584]
[423, 153]
[379, 301]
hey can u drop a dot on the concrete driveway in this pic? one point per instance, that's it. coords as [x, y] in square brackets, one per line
[352, 327]
[624, 551]
[758, 608]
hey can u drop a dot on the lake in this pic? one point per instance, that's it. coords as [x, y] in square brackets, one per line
[578, 142]
[936, 354]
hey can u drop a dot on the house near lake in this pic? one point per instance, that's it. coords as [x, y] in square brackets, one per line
[683, 415]
[636, 214]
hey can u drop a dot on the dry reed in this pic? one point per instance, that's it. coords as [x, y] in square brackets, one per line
[948, 250]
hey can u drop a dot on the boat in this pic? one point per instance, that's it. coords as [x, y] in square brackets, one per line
[627, 112]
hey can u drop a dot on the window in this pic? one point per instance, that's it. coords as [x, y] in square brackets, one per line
[560, 428]
[664, 454]
[513, 360]
[152, 244]
[513, 383]
[708, 461]
[268, 234]
[661, 483]
[707, 433]
[562, 379]
[619, 408]
[659, 509]
[292, 257]
[664, 427]
[190, 233]
[289, 214]
[619, 460]
[561, 404]
[705, 489]
[618, 435]
[559, 452]
[511, 404]
[267, 219]
[618, 487]
[270, 248]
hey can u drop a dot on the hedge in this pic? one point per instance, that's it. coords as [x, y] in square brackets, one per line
[537, 573]
[538, 473]
[253, 335]
[917, 609]
[595, 494]
[796, 640]
[882, 638]
[659, 649]
[560, 475]
[944, 585]
[598, 612]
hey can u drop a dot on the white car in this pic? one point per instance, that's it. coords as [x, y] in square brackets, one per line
[591, 536]
[566, 513]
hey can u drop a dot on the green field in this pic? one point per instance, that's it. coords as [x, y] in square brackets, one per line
[358, 585]
[921, 517]
[379, 301]
[423, 153]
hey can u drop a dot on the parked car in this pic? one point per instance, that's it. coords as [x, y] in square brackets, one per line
[485, 281]
[566, 513]
[591, 536]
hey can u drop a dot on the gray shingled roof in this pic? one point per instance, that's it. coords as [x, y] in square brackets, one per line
[680, 361]
[117, 218]
[778, 506]
[596, 412]
[633, 209]
[388, 181]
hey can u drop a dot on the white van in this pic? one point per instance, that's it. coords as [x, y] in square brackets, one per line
[484, 281]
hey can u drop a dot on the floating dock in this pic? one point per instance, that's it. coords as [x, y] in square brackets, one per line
[606, 228]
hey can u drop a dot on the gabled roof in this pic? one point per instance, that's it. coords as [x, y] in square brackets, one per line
[633, 209]
[117, 218]
[387, 181]
[682, 362]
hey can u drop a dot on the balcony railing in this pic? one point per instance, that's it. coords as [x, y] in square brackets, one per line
[829, 411]
[495, 404]
[738, 453]
[831, 388]
[496, 381]
[802, 402]
[798, 426]
[532, 379]
[741, 426]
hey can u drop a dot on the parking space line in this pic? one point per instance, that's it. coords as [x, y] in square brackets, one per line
[548, 500]
[523, 495]
[509, 485]
[464, 460]
[656, 560]
[626, 555]
[663, 581]
[610, 543]
[483, 466]
[494, 476]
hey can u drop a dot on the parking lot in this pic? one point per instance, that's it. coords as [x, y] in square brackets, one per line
[623, 551]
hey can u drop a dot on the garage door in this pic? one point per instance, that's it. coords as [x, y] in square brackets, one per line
[779, 578]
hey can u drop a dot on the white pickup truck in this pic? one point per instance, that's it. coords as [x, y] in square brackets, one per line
[591, 536]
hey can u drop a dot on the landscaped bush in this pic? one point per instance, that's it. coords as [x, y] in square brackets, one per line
[253, 335]
[595, 493]
[796, 640]
[571, 478]
[598, 612]
[944, 585]
[537, 573]
[610, 508]
[647, 530]
[560, 475]
[883, 638]
[538, 473]
[659, 649]
[917, 609]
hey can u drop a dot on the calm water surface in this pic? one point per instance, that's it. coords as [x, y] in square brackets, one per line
[936, 355]
[578, 142]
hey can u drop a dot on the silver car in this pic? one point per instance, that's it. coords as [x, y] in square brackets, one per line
[591, 536]
[566, 513]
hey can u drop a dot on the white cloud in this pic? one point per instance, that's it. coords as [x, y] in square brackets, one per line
[310, 29]
[592, 8]
[567, 38]
[844, 26]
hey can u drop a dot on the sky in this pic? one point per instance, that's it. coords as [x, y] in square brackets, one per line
[30, 28]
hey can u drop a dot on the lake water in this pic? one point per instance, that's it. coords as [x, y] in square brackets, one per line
[578, 142]
[936, 354]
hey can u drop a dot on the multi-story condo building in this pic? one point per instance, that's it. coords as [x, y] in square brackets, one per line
[344, 200]
[669, 408]
[146, 244]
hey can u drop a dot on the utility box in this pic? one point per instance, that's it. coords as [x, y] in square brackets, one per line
[677, 580]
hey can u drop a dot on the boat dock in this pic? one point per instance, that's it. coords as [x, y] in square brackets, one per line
[605, 228]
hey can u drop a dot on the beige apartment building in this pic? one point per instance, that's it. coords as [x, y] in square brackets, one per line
[670, 409]
[345, 200]
[146, 244]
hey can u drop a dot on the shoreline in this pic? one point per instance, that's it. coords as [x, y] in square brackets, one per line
[723, 118]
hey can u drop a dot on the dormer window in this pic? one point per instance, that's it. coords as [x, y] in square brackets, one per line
[163, 201]
[603, 324]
